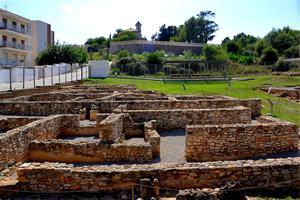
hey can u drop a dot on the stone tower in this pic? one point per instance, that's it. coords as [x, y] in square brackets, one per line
[138, 27]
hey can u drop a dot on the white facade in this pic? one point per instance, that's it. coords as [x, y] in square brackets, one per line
[15, 39]
[22, 39]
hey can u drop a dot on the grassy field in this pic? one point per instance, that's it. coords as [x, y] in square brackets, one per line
[283, 109]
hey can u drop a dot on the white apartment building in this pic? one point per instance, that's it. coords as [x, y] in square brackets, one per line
[22, 39]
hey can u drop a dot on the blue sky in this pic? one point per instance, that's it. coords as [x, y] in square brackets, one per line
[74, 21]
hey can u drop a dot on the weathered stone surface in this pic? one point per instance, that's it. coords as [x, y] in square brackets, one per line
[239, 141]
[53, 176]
[179, 118]
[88, 151]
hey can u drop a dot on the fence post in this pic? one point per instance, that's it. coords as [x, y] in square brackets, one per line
[76, 73]
[65, 73]
[23, 78]
[51, 74]
[87, 72]
[71, 73]
[10, 79]
[58, 73]
[33, 77]
[43, 75]
[81, 72]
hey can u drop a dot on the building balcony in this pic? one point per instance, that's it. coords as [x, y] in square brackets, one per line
[15, 45]
[15, 28]
[11, 63]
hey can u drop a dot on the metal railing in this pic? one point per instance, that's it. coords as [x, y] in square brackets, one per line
[15, 28]
[15, 45]
[21, 77]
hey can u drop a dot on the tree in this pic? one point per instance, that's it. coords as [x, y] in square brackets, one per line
[122, 35]
[165, 33]
[233, 47]
[62, 53]
[197, 29]
[282, 39]
[95, 44]
[214, 52]
[269, 56]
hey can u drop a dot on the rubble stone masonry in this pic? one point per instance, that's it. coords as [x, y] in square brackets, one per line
[88, 151]
[240, 141]
[14, 144]
[59, 176]
[179, 118]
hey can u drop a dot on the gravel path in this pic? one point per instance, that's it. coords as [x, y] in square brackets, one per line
[172, 146]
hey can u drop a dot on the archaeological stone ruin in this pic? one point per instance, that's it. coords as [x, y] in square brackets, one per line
[106, 138]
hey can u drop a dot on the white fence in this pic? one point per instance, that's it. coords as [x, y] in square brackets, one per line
[21, 77]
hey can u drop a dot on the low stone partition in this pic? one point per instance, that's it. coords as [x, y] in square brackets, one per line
[88, 151]
[10, 122]
[179, 118]
[107, 104]
[189, 103]
[111, 128]
[152, 136]
[239, 141]
[269, 173]
[14, 144]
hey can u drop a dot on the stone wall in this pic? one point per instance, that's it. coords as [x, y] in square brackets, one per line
[138, 46]
[240, 141]
[201, 103]
[59, 177]
[88, 151]
[152, 136]
[111, 128]
[14, 122]
[177, 118]
[14, 144]
[44, 108]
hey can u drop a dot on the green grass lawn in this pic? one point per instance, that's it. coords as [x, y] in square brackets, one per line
[283, 109]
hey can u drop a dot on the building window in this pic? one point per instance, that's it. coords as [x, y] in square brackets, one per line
[22, 28]
[14, 42]
[4, 41]
[23, 44]
[14, 26]
[4, 22]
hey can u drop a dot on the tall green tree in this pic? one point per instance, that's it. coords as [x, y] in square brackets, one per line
[165, 33]
[283, 39]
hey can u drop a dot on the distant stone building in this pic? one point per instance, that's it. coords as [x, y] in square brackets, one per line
[140, 46]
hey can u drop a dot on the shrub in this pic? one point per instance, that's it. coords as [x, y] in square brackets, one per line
[269, 56]
[233, 47]
[155, 58]
[214, 52]
[136, 69]
[123, 54]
